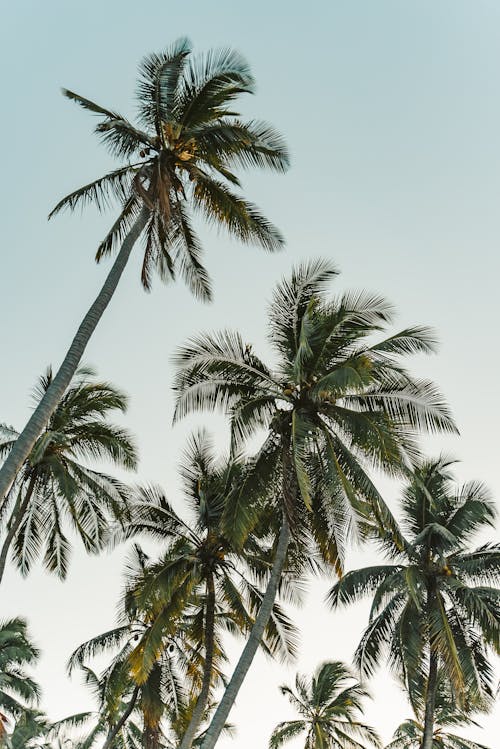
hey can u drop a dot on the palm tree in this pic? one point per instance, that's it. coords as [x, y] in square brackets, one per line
[54, 487]
[333, 403]
[447, 714]
[181, 156]
[164, 695]
[127, 715]
[328, 705]
[31, 731]
[124, 703]
[18, 691]
[409, 735]
[114, 695]
[202, 584]
[435, 603]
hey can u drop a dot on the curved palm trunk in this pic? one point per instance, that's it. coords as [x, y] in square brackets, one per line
[247, 656]
[55, 392]
[430, 702]
[17, 515]
[202, 701]
[113, 733]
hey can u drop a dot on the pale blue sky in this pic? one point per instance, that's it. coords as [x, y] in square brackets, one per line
[392, 113]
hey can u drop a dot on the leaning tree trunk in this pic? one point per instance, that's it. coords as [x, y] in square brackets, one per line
[16, 518]
[202, 701]
[430, 702]
[254, 640]
[24, 443]
[113, 733]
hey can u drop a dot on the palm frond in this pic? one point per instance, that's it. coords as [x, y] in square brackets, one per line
[159, 84]
[242, 219]
[211, 82]
[113, 186]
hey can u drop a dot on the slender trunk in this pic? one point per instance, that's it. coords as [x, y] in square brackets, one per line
[55, 392]
[16, 519]
[247, 656]
[430, 702]
[113, 733]
[431, 687]
[202, 701]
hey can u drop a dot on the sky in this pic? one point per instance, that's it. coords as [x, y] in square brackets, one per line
[392, 115]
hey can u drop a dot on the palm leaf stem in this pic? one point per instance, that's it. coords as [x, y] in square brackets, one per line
[41, 415]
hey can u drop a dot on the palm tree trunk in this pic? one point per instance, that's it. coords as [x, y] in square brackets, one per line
[55, 392]
[151, 738]
[16, 519]
[118, 727]
[247, 656]
[430, 702]
[202, 701]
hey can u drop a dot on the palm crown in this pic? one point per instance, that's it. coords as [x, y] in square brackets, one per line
[447, 715]
[329, 705]
[56, 485]
[437, 593]
[435, 605]
[332, 394]
[112, 691]
[31, 731]
[409, 735]
[183, 154]
[18, 691]
[201, 569]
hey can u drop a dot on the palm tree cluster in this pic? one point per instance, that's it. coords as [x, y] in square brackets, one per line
[436, 608]
[336, 404]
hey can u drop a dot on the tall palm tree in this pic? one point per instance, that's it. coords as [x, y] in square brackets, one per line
[18, 691]
[122, 700]
[54, 487]
[334, 403]
[435, 605]
[329, 705]
[202, 584]
[159, 666]
[181, 157]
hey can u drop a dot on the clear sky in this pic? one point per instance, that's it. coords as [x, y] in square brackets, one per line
[392, 113]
